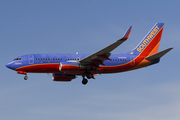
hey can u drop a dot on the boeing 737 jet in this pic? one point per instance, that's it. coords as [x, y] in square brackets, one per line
[65, 67]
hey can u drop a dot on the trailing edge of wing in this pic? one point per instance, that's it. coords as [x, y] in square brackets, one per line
[106, 51]
[158, 55]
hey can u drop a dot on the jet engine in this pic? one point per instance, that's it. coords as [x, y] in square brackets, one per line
[69, 66]
[62, 77]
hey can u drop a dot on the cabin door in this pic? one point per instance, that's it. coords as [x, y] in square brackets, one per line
[132, 61]
[31, 59]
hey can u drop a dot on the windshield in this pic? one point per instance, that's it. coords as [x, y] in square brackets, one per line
[17, 58]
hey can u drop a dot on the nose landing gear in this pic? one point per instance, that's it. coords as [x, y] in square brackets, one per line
[24, 73]
[25, 77]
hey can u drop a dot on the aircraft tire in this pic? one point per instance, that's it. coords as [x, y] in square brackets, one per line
[84, 81]
[25, 77]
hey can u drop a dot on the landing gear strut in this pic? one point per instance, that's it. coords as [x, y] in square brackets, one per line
[88, 75]
[84, 81]
[24, 73]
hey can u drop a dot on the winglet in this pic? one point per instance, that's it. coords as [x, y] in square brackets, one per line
[126, 35]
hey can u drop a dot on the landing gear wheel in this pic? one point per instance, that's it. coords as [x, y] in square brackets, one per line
[25, 77]
[84, 81]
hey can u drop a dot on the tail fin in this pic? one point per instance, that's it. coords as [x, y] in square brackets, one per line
[150, 43]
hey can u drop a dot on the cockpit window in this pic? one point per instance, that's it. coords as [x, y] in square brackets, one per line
[17, 58]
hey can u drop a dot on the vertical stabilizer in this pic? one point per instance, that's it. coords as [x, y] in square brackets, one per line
[150, 43]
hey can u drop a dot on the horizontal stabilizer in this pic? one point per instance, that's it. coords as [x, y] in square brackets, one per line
[158, 55]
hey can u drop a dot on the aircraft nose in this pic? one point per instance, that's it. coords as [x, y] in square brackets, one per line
[9, 65]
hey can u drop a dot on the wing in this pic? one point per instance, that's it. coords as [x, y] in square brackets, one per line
[98, 58]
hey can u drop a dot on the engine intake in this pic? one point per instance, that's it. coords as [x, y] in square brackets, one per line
[68, 66]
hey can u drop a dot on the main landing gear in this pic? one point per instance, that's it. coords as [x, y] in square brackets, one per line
[89, 76]
[84, 81]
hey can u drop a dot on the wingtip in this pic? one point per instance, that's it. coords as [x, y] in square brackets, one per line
[127, 33]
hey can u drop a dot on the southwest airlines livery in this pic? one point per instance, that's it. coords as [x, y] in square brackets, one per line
[65, 67]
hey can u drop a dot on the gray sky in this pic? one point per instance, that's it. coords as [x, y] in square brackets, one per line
[60, 26]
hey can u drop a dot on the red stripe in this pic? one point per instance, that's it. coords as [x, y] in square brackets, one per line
[151, 48]
[41, 68]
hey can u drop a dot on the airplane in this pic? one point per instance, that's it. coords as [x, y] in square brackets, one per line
[65, 67]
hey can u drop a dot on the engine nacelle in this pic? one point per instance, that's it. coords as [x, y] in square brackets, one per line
[68, 66]
[62, 77]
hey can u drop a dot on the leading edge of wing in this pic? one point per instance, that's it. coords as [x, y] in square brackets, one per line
[106, 51]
